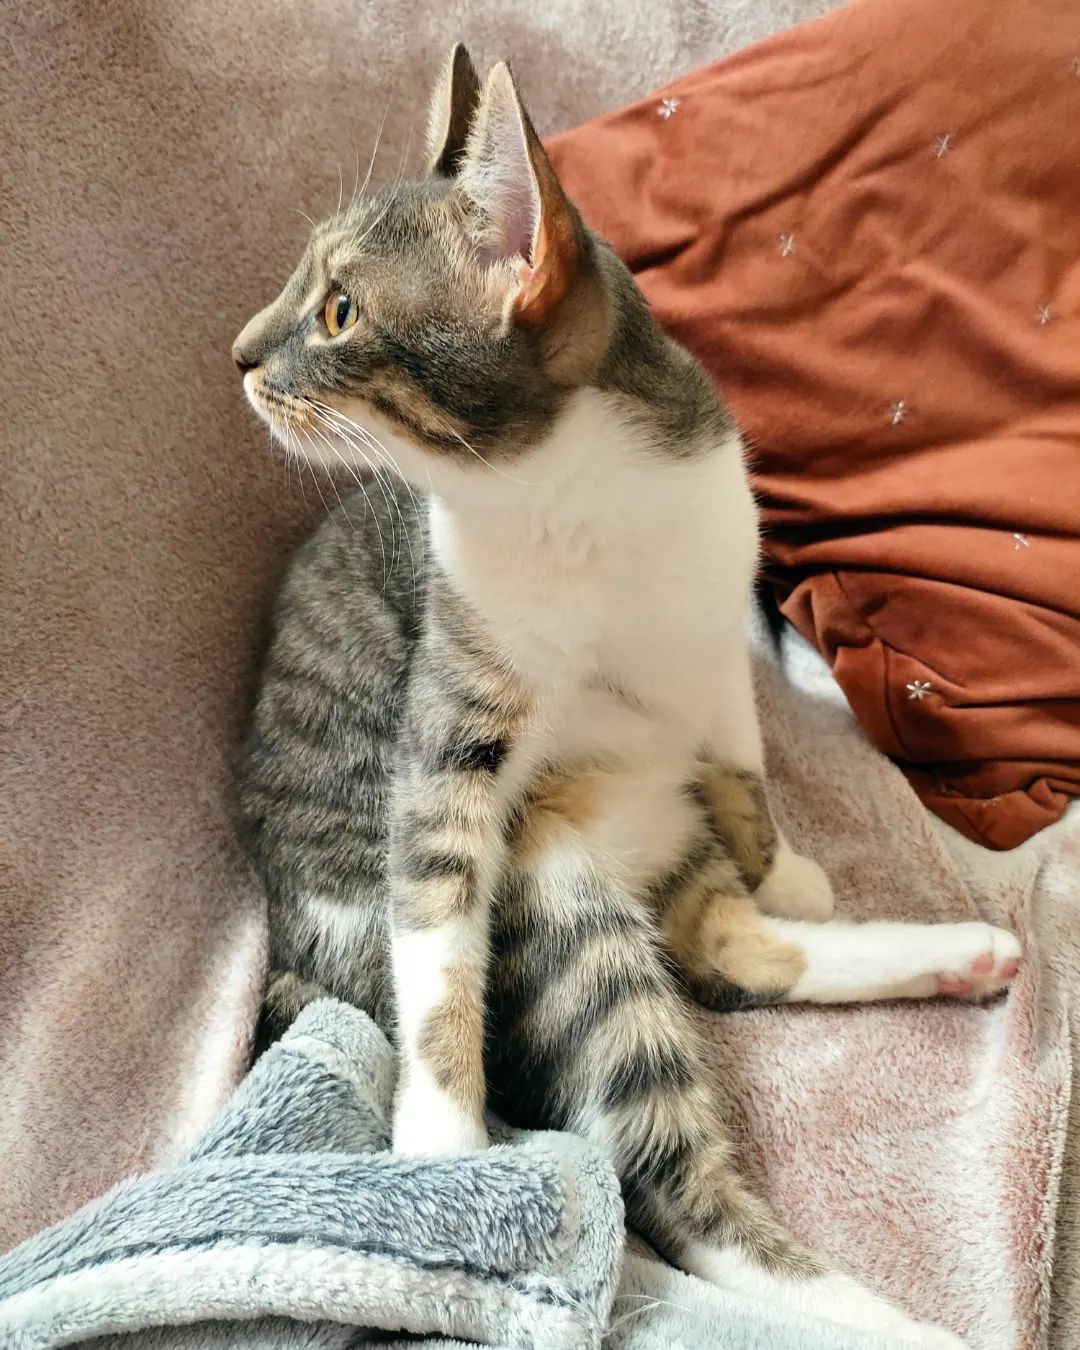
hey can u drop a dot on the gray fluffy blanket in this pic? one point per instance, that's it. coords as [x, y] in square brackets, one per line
[290, 1225]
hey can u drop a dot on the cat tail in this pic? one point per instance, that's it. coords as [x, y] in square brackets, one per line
[286, 996]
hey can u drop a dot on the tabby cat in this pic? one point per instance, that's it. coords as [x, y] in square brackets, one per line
[504, 783]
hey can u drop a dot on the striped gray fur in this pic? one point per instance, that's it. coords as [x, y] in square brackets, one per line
[380, 709]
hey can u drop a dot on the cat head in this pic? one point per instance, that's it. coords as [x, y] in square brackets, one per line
[442, 323]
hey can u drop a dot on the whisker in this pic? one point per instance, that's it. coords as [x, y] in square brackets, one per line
[521, 482]
[329, 474]
[357, 449]
[315, 479]
[273, 447]
[381, 450]
[350, 469]
[371, 509]
[341, 421]
[358, 240]
[299, 463]
[347, 428]
[356, 161]
[400, 178]
[347, 421]
[368, 437]
[371, 165]
[389, 498]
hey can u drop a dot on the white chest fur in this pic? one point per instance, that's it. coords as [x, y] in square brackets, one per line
[604, 564]
[614, 581]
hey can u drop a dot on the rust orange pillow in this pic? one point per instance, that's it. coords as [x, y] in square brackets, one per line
[868, 229]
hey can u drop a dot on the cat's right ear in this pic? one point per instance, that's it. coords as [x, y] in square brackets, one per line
[453, 104]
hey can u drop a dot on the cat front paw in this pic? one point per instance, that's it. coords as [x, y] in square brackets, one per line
[427, 1122]
[795, 888]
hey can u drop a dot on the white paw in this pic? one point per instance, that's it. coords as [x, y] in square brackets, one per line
[795, 888]
[973, 960]
[427, 1122]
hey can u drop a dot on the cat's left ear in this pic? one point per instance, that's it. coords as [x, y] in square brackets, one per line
[453, 103]
[523, 213]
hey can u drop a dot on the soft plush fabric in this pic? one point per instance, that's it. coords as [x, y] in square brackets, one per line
[154, 158]
[290, 1206]
[868, 230]
[290, 1225]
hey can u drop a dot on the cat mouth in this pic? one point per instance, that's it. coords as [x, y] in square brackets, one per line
[272, 403]
[312, 430]
[287, 415]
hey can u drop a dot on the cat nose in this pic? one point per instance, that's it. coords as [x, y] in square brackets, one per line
[243, 359]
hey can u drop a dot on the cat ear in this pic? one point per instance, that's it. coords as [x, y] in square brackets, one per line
[453, 102]
[524, 215]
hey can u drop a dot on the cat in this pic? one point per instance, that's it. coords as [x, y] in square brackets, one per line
[504, 782]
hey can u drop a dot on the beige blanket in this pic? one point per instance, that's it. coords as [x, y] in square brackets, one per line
[927, 1146]
[155, 160]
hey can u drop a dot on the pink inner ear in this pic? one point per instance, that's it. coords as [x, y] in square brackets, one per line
[543, 282]
[530, 282]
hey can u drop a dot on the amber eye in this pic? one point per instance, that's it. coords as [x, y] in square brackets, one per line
[340, 313]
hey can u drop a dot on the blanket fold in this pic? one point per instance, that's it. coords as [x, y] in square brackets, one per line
[290, 1206]
[290, 1224]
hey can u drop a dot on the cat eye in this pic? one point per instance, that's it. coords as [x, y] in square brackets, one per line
[341, 312]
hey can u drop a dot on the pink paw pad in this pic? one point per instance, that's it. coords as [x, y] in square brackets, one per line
[953, 984]
[983, 976]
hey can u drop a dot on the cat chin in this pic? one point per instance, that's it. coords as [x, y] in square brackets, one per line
[251, 394]
[277, 430]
